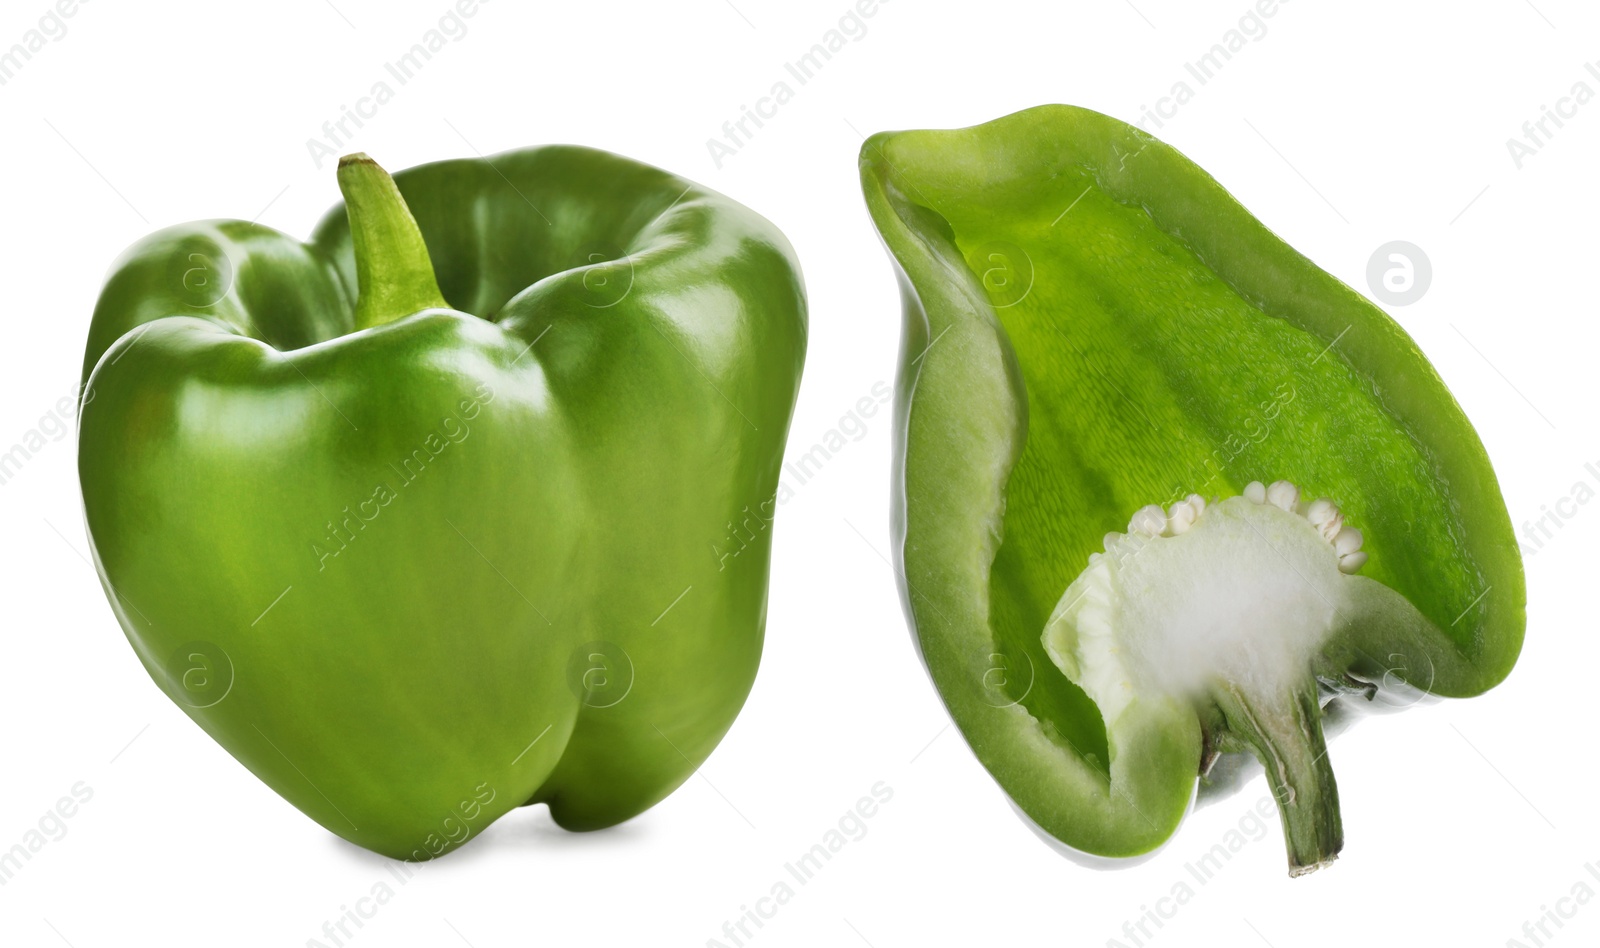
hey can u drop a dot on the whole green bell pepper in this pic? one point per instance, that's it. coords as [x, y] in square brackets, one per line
[1095, 329]
[418, 551]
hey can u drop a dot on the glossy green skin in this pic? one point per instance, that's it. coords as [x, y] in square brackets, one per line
[582, 430]
[1166, 342]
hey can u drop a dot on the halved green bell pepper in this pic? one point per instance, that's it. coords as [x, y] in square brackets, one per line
[1094, 330]
[420, 550]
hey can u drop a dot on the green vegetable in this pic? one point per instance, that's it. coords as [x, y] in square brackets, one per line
[417, 552]
[1095, 330]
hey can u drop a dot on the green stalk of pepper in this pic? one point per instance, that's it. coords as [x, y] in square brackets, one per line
[420, 520]
[1095, 328]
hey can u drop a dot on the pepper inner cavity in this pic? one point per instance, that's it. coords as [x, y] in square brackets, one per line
[1241, 592]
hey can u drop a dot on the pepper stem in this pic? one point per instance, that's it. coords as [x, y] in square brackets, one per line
[394, 274]
[1287, 737]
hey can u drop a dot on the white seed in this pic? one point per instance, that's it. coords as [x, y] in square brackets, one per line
[1110, 538]
[1149, 520]
[1321, 511]
[1350, 562]
[1179, 518]
[1283, 495]
[1198, 503]
[1347, 540]
[1256, 492]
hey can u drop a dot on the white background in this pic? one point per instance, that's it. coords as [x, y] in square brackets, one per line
[1344, 127]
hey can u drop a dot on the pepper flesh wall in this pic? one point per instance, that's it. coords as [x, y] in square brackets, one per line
[1094, 328]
